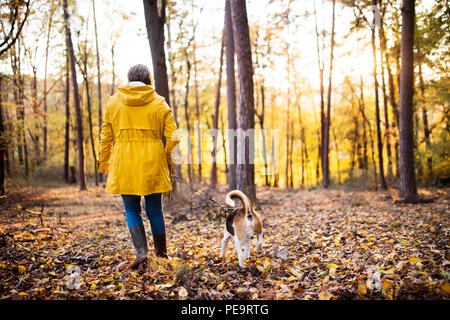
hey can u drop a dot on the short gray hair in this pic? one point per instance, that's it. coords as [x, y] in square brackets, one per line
[139, 72]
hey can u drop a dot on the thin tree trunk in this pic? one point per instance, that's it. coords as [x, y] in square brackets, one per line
[291, 157]
[355, 147]
[319, 157]
[76, 98]
[173, 81]
[264, 138]
[2, 143]
[20, 102]
[245, 175]
[15, 65]
[387, 132]
[287, 131]
[224, 145]
[385, 96]
[16, 102]
[426, 128]
[274, 146]
[44, 130]
[366, 120]
[67, 121]
[322, 101]
[113, 82]
[197, 105]
[213, 178]
[24, 139]
[326, 140]
[231, 96]
[84, 71]
[91, 131]
[383, 46]
[337, 155]
[35, 137]
[377, 106]
[99, 83]
[186, 116]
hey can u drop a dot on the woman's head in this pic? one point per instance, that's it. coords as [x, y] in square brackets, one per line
[139, 72]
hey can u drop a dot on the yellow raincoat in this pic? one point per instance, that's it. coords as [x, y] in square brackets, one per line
[131, 147]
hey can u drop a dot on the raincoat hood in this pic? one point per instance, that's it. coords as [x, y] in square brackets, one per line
[133, 95]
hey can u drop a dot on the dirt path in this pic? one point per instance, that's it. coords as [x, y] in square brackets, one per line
[317, 245]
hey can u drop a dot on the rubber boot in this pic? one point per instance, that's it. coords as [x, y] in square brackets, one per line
[159, 241]
[140, 244]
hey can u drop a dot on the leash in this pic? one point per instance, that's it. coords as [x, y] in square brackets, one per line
[215, 203]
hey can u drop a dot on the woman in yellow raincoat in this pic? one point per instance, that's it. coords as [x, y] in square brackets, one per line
[133, 154]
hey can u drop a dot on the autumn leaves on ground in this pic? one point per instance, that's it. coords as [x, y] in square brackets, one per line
[318, 244]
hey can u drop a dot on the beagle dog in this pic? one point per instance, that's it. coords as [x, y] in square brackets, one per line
[243, 224]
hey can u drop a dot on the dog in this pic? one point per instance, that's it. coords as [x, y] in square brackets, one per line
[243, 224]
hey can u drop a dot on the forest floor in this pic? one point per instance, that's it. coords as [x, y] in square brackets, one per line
[318, 244]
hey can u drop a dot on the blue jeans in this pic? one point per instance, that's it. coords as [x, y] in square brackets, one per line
[153, 209]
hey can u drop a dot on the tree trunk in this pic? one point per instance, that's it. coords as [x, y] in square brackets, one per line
[337, 155]
[224, 145]
[14, 67]
[67, 121]
[366, 120]
[91, 131]
[387, 132]
[319, 157]
[213, 178]
[173, 80]
[186, 116]
[22, 111]
[155, 17]
[385, 97]
[426, 128]
[20, 107]
[326, 137]
[291, 157]
[322, 101]
[264, 138]
[197, 107]
[245, 175]
[44, 130]
[2, 143]
[274, 146]
[377, 106]
[76, 99]
[408, 189]
[113, 84]
[231, 96]
[35, 137]
[355, 147]
[99, 83]
[288, 137]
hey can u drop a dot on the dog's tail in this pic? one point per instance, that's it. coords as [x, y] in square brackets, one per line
[241, 196]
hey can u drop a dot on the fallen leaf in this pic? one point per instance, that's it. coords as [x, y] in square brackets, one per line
[446, 287]
[414, 259]
[266, 264]
[325, 295]
[21, 269]
[163, 286]
[362, 289]
[182, 293]
[260, 268]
